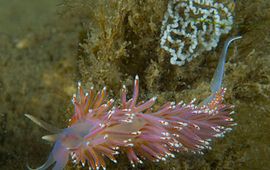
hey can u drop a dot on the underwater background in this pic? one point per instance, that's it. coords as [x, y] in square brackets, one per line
[47, 46]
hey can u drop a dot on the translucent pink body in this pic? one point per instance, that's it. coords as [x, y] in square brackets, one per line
[99, 128]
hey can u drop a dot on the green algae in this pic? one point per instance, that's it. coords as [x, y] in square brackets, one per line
[108, 43]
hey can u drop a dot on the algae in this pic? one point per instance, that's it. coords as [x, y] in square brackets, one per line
[109, 42]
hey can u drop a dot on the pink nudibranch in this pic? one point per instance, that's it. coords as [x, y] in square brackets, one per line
[100, 128]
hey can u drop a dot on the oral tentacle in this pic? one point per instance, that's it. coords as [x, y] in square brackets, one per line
[50, 161]
[43, 124]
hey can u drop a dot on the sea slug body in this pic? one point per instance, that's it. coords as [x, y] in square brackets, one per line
[99, 128]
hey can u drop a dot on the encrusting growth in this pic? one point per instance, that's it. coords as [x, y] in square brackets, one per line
[99, 128]
[191, 27]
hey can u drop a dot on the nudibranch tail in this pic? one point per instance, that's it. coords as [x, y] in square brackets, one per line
[216, 81]
[219, 73]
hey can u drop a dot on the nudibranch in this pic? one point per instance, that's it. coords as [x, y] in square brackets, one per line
[99, 128]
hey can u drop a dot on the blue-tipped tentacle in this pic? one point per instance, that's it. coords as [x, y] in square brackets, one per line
[219, 73]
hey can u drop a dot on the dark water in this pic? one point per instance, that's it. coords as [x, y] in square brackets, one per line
[40, 63]
[16, 15]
